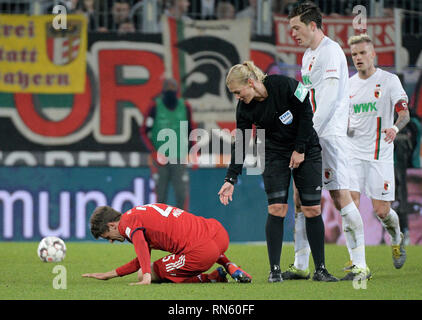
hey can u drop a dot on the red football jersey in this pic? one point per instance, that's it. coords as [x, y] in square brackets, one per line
[163, 227]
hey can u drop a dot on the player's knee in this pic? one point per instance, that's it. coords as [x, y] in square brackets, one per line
[381, 208]
[154, 276]
[311, 204]
[381, 214]
[355, 197]
[278, 209]
[341, 198]
[336, 201]
[311, 211]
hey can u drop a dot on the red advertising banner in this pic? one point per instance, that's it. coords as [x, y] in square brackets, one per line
[100, 126]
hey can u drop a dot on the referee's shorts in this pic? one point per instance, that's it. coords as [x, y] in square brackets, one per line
[307, 177]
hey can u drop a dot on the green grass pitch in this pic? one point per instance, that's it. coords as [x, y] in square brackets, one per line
[24, 277]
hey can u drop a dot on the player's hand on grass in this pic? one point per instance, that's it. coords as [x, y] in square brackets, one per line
[101, 276]
[226, 193]
[146, 279]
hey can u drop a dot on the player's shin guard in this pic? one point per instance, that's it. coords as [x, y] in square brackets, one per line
[391, 224]
[354, 234]
[302, 249]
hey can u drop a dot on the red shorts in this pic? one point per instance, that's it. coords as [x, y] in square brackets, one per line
[194, 260]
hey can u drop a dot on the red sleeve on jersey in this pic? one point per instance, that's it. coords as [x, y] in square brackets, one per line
[142, 250]
[130, 267]
[401, 105]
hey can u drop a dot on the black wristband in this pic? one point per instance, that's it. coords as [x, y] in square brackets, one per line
[231, 180]
[300, 148]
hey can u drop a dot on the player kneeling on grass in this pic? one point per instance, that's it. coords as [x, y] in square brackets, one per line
[195, 244]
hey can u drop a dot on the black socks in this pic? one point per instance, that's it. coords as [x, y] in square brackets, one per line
[315, 232]
[274, 234]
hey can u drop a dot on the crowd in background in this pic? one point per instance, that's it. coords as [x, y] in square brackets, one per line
[126, 15]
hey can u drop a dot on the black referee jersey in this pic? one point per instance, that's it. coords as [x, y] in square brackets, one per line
[285, 115]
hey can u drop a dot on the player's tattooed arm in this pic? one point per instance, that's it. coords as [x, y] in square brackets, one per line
[403, 114]
[402, 120]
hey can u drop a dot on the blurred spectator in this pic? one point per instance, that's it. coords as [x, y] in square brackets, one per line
[416, 100]
[120, 12]
[87, 7]
[388, 12]
[109, 13]
[69, 5]
[14, 7]
[250, 12]
[340, 7]
[112, 16]
[169, 112]
[178, 9]
[414, 186]
[203, 9]
[73, 4]
[126, 27]
[141, 10]
[225, 10]
[406, 155]
[283, 6]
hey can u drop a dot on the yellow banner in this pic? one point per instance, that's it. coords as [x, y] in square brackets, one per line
[39, 54]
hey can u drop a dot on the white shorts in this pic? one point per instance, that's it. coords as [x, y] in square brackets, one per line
[335, 162]
[375, 179]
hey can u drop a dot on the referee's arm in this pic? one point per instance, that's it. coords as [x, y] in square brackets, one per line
[238, 150]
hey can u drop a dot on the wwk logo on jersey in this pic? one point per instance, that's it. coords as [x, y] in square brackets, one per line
[365, 107]
[286, 118]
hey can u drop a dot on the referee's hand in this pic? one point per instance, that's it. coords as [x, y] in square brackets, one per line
[296, 159]
[226, 193]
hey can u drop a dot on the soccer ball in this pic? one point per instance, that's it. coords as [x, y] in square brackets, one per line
[51, 249]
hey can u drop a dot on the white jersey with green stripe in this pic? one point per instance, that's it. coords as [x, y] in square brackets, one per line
[372, 104]
[331, 108]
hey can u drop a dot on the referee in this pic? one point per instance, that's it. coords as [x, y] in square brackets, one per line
[281, 107]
